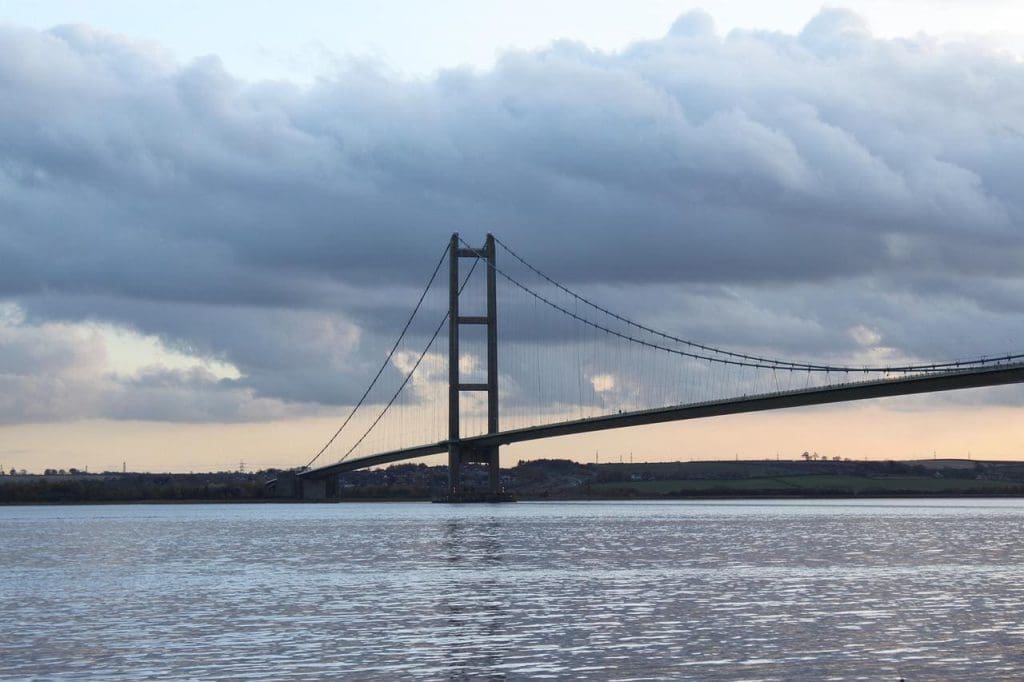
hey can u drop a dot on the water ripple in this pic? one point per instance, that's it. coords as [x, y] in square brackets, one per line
[704, 591]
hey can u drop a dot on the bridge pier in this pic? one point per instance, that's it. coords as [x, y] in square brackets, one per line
[290, 486]
[494, 471]
[454, 470]
[313, 489]
[460, 454]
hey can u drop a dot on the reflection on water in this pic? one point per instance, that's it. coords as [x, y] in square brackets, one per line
[705, 591]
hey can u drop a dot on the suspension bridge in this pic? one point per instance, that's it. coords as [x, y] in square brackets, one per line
[569, 365]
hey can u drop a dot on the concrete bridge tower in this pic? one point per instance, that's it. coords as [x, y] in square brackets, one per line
[460, 453]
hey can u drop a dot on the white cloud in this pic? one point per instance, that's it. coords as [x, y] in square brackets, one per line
[130, 355]
[865, 336]
[603, 383]
[96, 349]
[70, 370]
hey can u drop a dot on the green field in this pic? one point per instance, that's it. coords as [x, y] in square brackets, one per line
[810, 484]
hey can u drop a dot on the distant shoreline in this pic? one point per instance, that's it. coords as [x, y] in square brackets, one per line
[555, 480]
[391, 500]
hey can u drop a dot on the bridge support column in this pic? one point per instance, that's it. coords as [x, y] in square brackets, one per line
[314, 488]
[494, 471]
[288, 485]
[454, 470]
[458, 454]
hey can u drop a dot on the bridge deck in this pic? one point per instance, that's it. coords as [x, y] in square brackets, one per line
[1010, 373]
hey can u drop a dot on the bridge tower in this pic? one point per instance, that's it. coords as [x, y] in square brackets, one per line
[460, 453]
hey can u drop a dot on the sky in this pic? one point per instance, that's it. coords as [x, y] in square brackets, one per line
[215, 215]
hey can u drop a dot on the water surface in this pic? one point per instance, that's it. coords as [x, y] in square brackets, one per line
[766, 590]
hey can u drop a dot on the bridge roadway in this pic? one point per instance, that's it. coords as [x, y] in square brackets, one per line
[992, 375]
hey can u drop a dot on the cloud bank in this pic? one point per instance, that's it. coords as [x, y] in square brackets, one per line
[806, 194]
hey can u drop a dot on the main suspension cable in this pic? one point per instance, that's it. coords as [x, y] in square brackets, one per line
[743, 361]
[408, 376]
[755, 360]
[386, 362]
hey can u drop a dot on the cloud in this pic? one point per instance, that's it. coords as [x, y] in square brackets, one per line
[778, 190]
[60, 371]
[836, 32]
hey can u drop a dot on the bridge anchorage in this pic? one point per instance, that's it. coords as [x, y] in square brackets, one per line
[571, 366]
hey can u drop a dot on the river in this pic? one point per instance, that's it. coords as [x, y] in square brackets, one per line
[759, 590]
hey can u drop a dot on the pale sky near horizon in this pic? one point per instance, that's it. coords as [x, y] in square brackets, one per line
[258, 40]
[139, 323]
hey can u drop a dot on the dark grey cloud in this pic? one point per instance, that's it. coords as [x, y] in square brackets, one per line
[789, 194]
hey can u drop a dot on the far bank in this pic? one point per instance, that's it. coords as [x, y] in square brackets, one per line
[554, 479]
